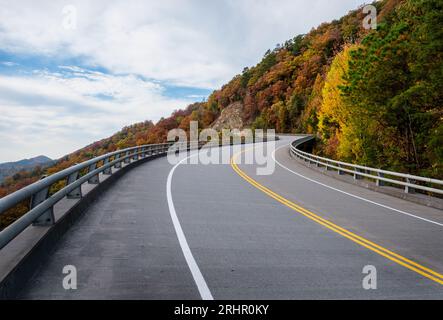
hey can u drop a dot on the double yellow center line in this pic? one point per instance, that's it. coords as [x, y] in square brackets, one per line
[407, 263]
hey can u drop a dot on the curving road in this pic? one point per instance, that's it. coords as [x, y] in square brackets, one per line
[193, 231]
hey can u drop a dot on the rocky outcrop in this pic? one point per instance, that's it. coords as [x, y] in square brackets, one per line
[230, 117]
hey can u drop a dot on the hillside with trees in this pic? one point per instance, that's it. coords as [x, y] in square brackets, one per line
[10, 168]
[372, 97]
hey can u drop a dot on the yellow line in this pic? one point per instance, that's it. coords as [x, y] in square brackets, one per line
[414, 266]
[312, 215]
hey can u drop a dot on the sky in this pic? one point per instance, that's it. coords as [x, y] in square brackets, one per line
[74, 72]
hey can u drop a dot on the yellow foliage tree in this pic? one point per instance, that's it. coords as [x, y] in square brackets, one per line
[334, 126]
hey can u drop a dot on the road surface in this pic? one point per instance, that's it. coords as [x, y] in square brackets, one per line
[220, 231]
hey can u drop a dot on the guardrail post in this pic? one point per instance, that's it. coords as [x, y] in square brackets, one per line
[135, 156]
[128, 159]
[142, 154]
[118, 165]
[47, 218]
[107, 171]
[77, 192]
[356, 174]
[327, 166]
[409, 189]
[378, 182]
[94, 179]
[340, 172]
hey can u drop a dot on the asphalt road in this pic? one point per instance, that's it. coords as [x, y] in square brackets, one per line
[193, 231]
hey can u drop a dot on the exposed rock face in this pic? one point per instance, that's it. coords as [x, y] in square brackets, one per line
[230, 117]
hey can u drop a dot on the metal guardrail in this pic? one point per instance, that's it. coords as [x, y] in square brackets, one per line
[409, 182]
[41, 211]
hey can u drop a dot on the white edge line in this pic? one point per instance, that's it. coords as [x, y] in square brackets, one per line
[203, 288]
[350, 194]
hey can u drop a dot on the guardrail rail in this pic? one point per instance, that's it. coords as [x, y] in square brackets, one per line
[41, 208]
[409, 182]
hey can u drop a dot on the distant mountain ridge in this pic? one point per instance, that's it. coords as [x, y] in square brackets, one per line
[11, 168]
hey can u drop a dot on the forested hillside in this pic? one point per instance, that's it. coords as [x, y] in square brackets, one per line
[372, 97]
[10, 168]
[382, 102]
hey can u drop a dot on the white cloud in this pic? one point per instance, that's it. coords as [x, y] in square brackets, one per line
[195, 43]
[9, 63]
[54, 114]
